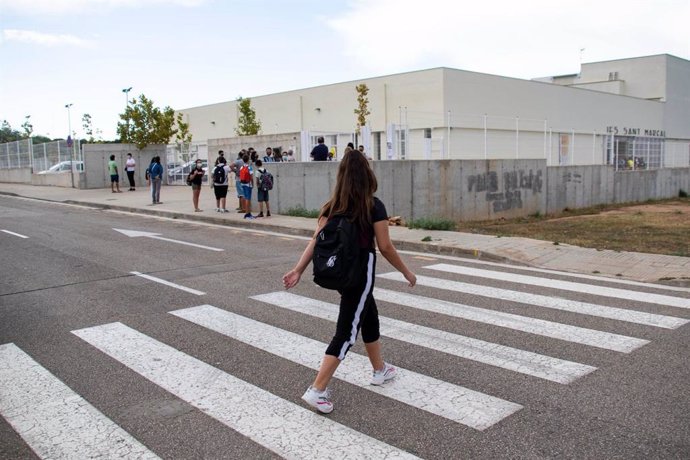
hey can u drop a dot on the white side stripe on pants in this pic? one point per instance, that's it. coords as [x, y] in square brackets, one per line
[360, 307]
[453, 402]
[279, 425]
[525, 362]
[53, 420]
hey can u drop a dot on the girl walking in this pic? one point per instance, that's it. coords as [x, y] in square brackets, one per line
[353, 197]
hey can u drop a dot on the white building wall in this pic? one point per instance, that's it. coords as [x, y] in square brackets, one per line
[489, 116]
[643, 77]
[677, 115]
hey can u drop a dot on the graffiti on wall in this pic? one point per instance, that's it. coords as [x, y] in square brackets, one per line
[514, 184]
[572, 177]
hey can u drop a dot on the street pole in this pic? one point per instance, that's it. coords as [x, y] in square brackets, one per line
[70, 141]
[126, 91]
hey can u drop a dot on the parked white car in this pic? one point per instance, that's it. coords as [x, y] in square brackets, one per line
[63, 166]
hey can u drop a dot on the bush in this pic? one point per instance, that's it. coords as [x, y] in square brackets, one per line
[682, 193]
[299, 211]
[432, 224]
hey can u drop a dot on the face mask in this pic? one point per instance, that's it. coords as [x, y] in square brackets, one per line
[198, 166]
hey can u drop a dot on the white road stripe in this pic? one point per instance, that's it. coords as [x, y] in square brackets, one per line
[209, 248]
[467, 260]
[168, 283]
[575, 334]
[453, 402]
[53, 420]
[565, 285]
[279, 425]
[620, 314]
[524, 362]
[14, 234]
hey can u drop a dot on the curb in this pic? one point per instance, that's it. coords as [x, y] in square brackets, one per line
[428, 248]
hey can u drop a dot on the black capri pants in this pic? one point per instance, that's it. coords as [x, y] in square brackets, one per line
[357, 311]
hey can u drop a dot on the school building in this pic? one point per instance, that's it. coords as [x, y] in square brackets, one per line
[608, 113]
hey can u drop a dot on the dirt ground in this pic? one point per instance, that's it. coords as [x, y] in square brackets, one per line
[661, 227]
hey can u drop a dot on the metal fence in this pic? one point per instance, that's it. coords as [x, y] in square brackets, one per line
[39, 157]
[15, 154]
[467, 136]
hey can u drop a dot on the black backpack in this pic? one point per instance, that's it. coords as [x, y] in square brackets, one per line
[266, 181]
[219, 174]
[336, 260]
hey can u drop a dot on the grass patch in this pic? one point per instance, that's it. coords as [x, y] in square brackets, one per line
[426, 239]
[658, 228]
[299, 211]
[432, 223]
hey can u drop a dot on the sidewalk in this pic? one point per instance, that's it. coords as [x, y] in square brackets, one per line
[177, 202]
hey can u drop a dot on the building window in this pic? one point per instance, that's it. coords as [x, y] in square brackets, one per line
[645, 152]
[563, 148]
[427, 133]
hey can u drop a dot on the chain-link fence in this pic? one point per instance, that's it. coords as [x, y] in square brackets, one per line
[180, 161]
[15, 154]
[57, 155]
[51, 156]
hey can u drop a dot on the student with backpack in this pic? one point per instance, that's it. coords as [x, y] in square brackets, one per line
[156, 178]
[356, 221]
[221, 172]
[235, 167]
[246, 182]
[264, 183]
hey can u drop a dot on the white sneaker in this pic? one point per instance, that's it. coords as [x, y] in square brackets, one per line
[387, 373]
[319, 400]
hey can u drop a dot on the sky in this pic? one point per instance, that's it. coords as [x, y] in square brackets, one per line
[188, 53]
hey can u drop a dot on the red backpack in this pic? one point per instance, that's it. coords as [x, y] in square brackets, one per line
[245, 175]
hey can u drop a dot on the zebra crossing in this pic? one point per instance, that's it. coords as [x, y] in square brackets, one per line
[56, 422]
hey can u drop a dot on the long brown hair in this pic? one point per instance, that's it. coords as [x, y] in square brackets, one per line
[355, 186]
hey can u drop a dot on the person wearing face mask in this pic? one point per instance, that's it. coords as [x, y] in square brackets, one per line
[195, 178]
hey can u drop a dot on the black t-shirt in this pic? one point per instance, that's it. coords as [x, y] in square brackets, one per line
[197, 179]
[320, 152]
[378, 213]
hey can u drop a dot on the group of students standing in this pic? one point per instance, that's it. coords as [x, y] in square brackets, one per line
[154, 176]
[248, 172]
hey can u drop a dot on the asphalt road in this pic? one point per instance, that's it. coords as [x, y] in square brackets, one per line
[562, 370]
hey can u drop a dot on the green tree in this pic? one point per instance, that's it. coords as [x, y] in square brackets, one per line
[144, 124]
[182, 137]
[362, 110]
[38, 139]
[87, 124]
[7, 134]
[247, 123]
[27, 127]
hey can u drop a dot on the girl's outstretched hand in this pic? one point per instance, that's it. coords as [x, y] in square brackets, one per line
[411, 278]
[291, 278]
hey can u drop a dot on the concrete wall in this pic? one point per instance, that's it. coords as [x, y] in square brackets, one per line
[451, 189]
[59, 180]
[478, 189]
[96, 157]
[635, 186]
[24, 176]
[579, 187]
[16, 175]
